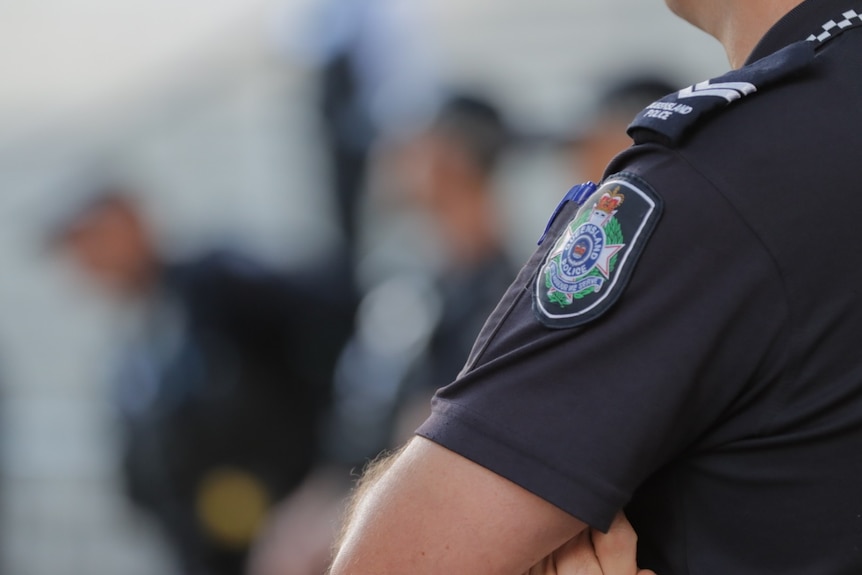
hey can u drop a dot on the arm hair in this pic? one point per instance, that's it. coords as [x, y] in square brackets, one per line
[370, 475]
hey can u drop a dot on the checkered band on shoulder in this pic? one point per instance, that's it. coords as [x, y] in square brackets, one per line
[851, 19]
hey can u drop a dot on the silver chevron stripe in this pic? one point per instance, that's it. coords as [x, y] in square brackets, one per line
[730, 91]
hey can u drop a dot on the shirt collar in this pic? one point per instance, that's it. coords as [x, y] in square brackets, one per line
[800, 23]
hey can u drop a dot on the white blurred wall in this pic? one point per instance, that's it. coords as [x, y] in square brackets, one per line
[213, 118]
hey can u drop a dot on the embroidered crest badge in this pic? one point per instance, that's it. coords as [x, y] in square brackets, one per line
[592, 258]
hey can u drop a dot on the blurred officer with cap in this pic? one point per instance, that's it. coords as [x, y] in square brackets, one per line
[220, 393]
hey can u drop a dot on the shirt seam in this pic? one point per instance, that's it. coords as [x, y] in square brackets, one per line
[788, 368]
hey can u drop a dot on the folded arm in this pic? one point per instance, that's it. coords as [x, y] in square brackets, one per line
[432, 511]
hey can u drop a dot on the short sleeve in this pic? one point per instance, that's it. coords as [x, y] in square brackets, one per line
[583, 415]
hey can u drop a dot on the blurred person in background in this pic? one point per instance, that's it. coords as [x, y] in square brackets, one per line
[220, 392]
[415, 327]
[448, 173]
[601, 133]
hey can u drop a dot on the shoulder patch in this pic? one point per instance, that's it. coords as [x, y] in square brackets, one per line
[594, 255]
[668, 120]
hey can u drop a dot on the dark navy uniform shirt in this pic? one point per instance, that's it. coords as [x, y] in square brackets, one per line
[688, 344]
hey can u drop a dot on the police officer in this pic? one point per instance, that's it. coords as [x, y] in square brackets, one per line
[220, 391]
[682, 343]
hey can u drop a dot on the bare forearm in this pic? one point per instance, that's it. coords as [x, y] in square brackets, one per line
[370, 476]
[430, 511]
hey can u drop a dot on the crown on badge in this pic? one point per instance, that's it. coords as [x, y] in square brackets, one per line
[610, 201]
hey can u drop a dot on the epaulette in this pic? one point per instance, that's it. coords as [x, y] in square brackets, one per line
[668, 120]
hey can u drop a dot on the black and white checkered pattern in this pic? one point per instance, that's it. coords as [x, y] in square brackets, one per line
[851, 19]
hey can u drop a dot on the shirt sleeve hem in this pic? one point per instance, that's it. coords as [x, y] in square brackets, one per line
[454, 427]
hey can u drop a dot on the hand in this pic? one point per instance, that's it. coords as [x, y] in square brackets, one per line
[596, 553]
